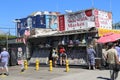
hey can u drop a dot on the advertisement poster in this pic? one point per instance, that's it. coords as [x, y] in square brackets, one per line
[40, 21]
[30, 22]
[79, 20]
[21, 27]
[52, 21]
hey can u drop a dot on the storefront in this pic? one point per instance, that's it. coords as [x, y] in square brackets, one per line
[13, 46]
[75, 43]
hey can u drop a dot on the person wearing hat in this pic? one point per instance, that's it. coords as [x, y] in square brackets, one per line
[4, 60]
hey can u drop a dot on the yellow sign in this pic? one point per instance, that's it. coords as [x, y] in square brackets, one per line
[102, 32]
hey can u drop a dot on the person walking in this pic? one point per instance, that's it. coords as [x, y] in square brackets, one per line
[4, 56]
[20, 58]
[117, 47]
[91, 57]
[104, 53]
[112, 60]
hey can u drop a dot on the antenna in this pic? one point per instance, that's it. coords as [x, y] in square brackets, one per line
[57, 6]
[92, 3]
[110, 5]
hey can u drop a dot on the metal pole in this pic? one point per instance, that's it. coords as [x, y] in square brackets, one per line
[7, 41]
[110, 6]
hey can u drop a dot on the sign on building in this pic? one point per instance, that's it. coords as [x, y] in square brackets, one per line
[85, 19]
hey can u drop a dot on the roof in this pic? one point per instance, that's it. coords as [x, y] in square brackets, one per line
[60, 33]
[80, 31]
[44, 34]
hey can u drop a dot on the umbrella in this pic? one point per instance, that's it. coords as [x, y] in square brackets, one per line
[110, 37]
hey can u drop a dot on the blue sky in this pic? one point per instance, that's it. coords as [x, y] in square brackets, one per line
[13, 9]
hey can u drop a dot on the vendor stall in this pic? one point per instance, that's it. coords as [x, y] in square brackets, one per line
[75, 43]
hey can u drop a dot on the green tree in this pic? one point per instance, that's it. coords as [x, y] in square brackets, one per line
[3, 39]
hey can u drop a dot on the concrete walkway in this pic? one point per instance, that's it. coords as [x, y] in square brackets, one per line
[58, 73]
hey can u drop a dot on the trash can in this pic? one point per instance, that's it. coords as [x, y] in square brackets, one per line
[98, 63]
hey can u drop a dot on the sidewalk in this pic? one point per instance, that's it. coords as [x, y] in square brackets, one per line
[58, 73]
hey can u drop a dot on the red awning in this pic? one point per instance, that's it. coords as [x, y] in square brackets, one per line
[110, 37]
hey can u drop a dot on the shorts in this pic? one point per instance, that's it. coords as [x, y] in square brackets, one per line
[20, 62]
[4, 64]
[63, 55]
[91, 61]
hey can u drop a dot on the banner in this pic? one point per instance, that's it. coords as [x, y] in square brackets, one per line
[103, 19]
[85, 19]
[61, 23]
[102, 31]
[78, 20]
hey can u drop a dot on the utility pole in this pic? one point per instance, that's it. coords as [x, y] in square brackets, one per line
[7, 41]
[110, 6]
[7, 29]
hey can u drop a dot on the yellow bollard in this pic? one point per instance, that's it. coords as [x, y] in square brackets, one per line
[50, 63]
[25, 64]
[37, 64]
[67, 66]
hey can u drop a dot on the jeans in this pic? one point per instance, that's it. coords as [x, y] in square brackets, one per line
[113, 73]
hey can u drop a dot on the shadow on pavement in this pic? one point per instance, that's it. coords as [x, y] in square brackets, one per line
[104, 78]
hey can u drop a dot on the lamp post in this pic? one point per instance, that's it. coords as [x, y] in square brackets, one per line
[7, 40]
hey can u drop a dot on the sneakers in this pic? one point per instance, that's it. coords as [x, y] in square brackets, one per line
[7, 74]
[93, 68]
[89, 67]
[22, 70]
